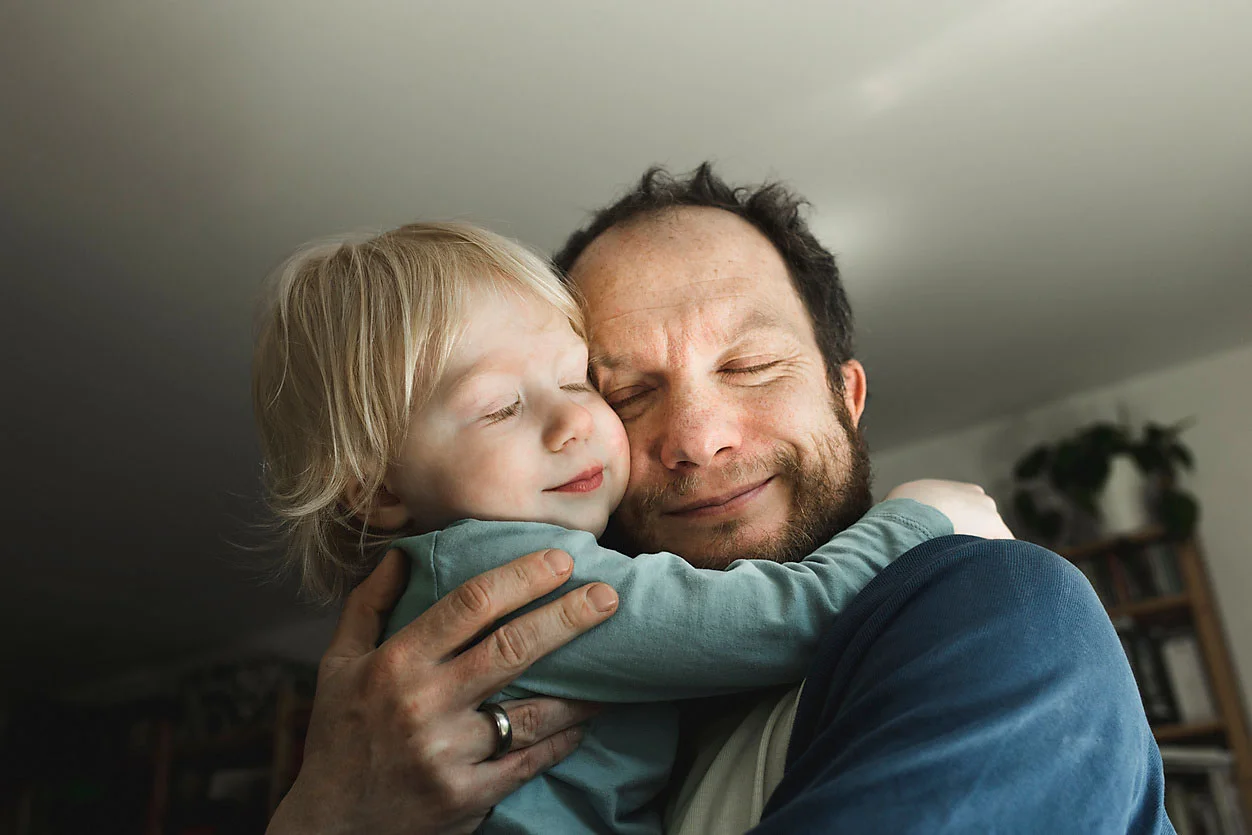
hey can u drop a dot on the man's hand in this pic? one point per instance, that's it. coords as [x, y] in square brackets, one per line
[971, 510]
[396, 742]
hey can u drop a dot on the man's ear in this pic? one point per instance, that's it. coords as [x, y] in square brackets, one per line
[382, 511]
[855, 389]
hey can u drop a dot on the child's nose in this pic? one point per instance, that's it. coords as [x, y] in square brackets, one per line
[570, 422]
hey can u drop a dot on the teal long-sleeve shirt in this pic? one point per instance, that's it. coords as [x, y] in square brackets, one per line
[679, 632]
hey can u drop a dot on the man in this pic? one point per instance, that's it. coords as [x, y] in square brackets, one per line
[974, 685]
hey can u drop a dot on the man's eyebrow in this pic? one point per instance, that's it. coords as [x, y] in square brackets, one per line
[756, 320]
[761, 320]
[601, 359]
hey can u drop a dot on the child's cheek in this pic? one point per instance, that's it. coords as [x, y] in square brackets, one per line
[497, 483]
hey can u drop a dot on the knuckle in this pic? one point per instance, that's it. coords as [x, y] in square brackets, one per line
[360, 600]
[459, 793]
[525, 720]
[512, 644]
[354, 597]
[570, 613]
[448, 789]
[381, 678]
[545, 754]
[529, 762]
[389, 660]
[519, 572]
[429, 750]
[328, 666]
[473, 598]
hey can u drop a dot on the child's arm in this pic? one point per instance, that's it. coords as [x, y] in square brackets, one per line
[679, 631]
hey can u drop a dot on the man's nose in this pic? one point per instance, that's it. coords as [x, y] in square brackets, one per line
[699, 427]
[569, 421]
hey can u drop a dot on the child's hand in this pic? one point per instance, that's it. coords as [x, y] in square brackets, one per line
[971, 510]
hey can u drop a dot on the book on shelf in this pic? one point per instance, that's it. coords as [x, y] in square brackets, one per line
[1162, 565]
[1193, 812]
[1120, 578]
[1131, 573]
[1200, 793]
[1187, 677]
[1148, 667]
[1140, 582]
[1196, 758]
[1170, 673]
[1095, 570]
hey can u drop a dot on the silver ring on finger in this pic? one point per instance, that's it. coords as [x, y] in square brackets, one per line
[504, 729]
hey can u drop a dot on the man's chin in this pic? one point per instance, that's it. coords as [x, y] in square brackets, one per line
[715, 545]
[803, 506]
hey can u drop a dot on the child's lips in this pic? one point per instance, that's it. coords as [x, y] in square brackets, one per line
[586, 481]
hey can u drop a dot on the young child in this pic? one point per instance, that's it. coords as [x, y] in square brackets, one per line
[427, 389]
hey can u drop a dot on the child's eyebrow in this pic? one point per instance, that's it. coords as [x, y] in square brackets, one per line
[455, 386]
[454, 383]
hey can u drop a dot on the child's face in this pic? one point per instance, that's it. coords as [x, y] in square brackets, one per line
[514, 430]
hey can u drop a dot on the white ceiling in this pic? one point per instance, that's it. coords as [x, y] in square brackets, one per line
[1028, 198]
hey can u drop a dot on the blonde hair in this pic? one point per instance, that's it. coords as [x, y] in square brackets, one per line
[353, 337]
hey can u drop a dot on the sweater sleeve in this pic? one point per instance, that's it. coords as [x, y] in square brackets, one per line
[684, 632]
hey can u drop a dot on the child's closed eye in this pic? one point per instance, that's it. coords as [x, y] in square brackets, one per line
[505, 413]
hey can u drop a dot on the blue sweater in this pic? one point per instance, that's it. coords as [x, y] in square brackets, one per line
[679, 632]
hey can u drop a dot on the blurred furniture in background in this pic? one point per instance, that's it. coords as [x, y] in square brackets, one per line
[212, 754]
[1200, 792]
[1159, 599]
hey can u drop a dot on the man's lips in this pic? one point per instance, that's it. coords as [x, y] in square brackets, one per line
[586, 481]
[723, 503]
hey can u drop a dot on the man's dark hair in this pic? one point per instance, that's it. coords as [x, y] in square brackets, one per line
[775, 211]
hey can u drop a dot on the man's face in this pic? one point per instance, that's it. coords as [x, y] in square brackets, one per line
[700, 342]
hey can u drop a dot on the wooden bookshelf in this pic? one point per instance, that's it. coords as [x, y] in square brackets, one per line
[1195, 608]
[1188, 733]
[1087, 550]
[277, 745]
[1151, 606]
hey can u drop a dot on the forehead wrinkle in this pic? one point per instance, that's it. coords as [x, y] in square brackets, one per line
[677, 304]
[675, 334]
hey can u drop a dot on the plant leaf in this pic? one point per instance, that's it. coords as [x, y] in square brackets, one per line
[1182, 455]
[1024, 506]
[1033, 463]
[1179, 513]
[1065, 463]
[1105, 439]
[1050, 524]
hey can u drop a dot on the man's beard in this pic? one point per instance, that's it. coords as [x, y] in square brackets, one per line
[830, 490]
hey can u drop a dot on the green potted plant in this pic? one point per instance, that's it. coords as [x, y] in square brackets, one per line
[1054, 480]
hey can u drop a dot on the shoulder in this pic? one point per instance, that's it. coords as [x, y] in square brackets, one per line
[496, 534]
[416, 548]
[472, 546]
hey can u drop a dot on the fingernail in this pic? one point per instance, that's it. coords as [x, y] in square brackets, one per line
[576, 734]
[559, 562]
[602, 597]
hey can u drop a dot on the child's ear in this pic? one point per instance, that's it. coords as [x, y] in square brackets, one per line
[382, 511]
